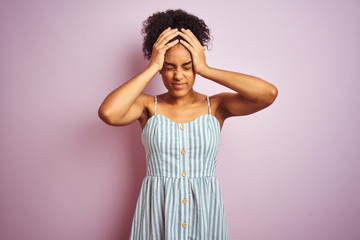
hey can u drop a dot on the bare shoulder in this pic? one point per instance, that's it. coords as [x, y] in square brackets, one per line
[217, 99]
[146, 98]
[215, 105]
[148, 102]
[229, 104]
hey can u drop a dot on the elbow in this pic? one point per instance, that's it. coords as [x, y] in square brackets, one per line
[105, 116]
[271, 95]
[111, 118]
[102, 115]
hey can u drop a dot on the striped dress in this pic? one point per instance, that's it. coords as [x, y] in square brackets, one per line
[180, 196]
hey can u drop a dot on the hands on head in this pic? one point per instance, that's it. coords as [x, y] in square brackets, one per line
[162, 44]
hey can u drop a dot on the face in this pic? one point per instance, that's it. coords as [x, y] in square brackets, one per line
[177, 73]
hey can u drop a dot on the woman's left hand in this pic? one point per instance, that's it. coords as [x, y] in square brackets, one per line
[196, 49]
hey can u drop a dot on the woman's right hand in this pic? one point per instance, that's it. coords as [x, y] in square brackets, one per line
[161, 46]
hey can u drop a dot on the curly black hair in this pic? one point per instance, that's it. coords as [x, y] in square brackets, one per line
[154, 25]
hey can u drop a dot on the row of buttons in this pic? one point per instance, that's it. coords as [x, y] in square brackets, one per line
[183, 152]
[184, 201]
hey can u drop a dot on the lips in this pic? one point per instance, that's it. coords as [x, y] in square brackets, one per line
[179, 85]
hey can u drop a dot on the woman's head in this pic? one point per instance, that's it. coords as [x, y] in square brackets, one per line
[154, 25]
[178, 74]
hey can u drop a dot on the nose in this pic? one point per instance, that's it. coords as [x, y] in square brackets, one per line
[178, 75]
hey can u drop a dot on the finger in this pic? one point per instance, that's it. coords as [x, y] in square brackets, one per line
[167, 38]
[161, 38]
[188, 46]
[171, 44]
[189, 40]
[190, 33]
[164, 32]
[194, 39]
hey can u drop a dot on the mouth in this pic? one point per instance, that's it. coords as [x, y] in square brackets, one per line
[179, 85]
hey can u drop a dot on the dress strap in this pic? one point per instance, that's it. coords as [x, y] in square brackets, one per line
[207, 97]
[155, 104]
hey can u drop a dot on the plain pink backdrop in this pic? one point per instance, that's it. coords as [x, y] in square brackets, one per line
[291, 171]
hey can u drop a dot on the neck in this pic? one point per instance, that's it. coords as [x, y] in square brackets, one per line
[190, 97]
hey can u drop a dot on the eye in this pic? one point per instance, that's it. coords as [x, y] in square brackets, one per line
[169, 69]
[187, 68]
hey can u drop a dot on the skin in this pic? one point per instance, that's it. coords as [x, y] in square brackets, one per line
[179, 63]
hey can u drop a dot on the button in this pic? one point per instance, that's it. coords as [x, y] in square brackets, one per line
[184, 200]
[183, 174]
[184, 225]
[182, 127]
[183, 152]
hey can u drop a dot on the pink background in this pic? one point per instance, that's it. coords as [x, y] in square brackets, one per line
[291, 171]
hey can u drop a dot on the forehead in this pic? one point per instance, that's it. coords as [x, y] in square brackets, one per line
[178, 54]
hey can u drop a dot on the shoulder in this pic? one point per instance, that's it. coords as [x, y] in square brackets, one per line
[216, 102]
[145, 99]
[146, 96]
[148, 103]
[218, 98]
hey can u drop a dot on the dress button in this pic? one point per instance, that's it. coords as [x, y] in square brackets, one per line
[184, 200]
[183, 174]
[184, 225]
[183, 152]
[182, 127]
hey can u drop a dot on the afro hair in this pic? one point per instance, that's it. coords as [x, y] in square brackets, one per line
[154, 25]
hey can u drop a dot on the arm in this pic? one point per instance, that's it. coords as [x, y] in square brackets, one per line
[126, 103]
[253, 94]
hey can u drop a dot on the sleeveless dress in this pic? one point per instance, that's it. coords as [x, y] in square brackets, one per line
[180, 196]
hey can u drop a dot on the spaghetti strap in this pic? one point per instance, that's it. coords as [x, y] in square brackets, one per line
[207, 97]
[155, 105]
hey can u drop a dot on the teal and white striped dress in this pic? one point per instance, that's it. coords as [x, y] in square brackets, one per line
[180, 196]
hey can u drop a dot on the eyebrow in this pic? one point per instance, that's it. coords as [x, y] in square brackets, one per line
[171, 64]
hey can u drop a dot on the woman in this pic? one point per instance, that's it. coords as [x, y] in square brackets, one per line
[180, 196]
